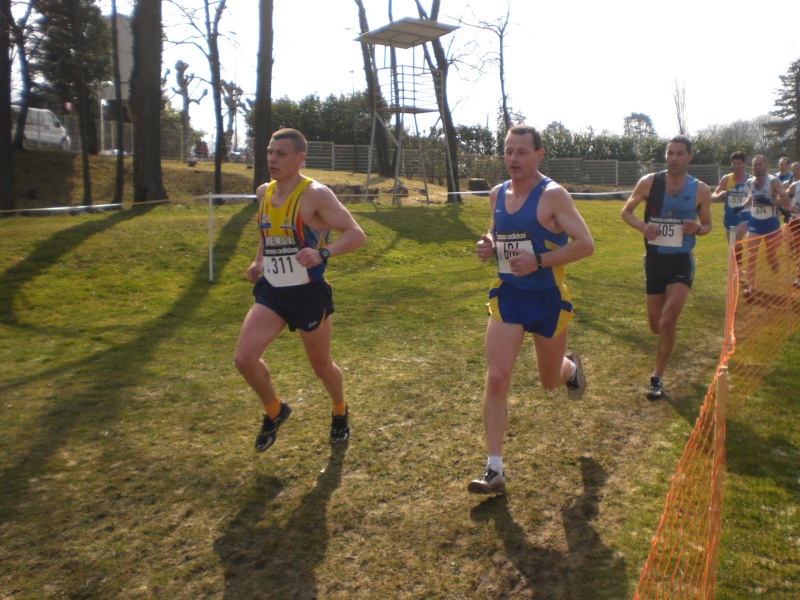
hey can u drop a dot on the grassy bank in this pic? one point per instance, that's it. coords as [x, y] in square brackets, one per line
[126, 461]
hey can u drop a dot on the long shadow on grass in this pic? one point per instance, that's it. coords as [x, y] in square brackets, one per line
[424, 225]
[49, 251]
[279, 561]
[112, 372]
[586, 571]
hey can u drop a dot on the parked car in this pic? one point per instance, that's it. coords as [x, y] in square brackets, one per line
[42, 129]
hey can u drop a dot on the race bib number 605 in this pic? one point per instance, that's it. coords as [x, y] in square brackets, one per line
[512, 240]
[670, 232]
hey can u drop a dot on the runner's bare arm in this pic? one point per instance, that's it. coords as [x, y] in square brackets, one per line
[698, 227]
[567, 218]
[780, 191]
[638, 196]
[722, 189]
[256, 267]
[485, 246]
[325, 210]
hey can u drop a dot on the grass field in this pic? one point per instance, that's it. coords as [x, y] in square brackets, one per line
[126, 460]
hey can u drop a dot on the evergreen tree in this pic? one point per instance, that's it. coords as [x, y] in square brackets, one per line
[787, 128]
[75, 47]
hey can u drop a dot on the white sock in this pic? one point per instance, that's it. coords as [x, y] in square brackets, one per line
[495, 463]
[574, 369]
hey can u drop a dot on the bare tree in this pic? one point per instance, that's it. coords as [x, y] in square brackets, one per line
[498, 27]
[207, 30]
[184, 81]
[262, 118]
[679, 96]
[231, 97]
[374, 95]
[7, 190]
[146, 96]
[442, 64]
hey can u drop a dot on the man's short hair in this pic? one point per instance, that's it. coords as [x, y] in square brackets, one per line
[298, 139]
[762, 157]
[739, 155]
[682, 139]
[523, 129]
[783, 158]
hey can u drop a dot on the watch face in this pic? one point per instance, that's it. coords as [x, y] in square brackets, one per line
[325, 254]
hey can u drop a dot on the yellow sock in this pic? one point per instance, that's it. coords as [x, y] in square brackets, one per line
[339, 409]
[273, 409]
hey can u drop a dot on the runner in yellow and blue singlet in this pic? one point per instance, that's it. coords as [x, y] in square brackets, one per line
[284, 234]
[539, 301]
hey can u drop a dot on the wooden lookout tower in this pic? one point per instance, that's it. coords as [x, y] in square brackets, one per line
[403, 89]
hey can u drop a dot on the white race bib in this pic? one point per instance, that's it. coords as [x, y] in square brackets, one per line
[736, 198]
[761, 212]
[281, 268]
[670, 232]
[513, 240]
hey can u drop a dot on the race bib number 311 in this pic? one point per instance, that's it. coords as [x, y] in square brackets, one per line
[513, 240]
[670, 232]
[281, 268]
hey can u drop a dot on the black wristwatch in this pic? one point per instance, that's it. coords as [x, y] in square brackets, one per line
[325, 254]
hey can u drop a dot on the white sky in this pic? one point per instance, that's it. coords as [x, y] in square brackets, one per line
[582, 62]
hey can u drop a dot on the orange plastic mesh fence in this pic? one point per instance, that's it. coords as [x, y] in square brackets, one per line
[761, 313]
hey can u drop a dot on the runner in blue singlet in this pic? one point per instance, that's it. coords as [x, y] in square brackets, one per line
[534, 232]
[677, 210]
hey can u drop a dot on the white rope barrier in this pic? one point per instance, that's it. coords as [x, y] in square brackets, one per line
[576, 195]
[77, 208]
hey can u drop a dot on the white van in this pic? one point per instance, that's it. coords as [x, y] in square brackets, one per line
[42, 129]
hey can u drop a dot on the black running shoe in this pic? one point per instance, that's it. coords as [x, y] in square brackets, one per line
[656, 389]
[340, 427]
[491, 482]
[269, 429]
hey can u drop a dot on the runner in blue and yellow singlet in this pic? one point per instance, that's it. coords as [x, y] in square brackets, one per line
[677, 210]
[534, 232]
[732, 190]
[295, 216]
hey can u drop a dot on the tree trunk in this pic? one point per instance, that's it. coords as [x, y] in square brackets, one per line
[442, 64]
[212, 35]
[263, 108]
[119, 176]
[17, 30]
[146, 102]
[377, 103]
[7, 190]
[82, 101]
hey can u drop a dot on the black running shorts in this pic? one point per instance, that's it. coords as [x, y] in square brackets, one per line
[303, 307]
[661, 270]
